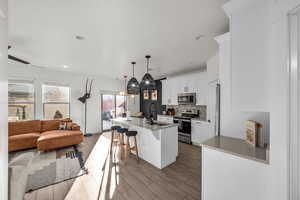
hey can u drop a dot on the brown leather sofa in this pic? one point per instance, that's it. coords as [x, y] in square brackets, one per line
[43, 134]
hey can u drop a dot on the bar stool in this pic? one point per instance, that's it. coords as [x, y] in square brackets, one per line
[113, 130]
[122, 131]
[135, 147]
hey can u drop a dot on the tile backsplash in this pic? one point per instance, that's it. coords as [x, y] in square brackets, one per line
[181, 108]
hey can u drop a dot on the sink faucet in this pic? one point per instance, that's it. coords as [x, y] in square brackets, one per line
[151, 119]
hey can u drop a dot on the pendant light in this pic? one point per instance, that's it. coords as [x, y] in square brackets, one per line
[133, 86]
[147, 81]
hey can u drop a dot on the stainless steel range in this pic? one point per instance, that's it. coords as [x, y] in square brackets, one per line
[184, 125]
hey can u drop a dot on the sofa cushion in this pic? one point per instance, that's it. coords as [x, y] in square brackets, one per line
[50, 125]
[66, 120]
[22, 127]
[58, 138]
[24, 141]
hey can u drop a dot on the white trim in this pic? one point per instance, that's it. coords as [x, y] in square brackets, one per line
[237, 5]
[21, 79]
[56, 84]
[221, 38]
[294, 87]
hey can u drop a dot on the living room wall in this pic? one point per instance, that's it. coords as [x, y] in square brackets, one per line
[3, 100]
[77, 84]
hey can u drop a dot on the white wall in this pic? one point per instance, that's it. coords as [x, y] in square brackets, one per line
[233, 121]
[3, 102]
[259, 31]
[77, 84]
[278, 54]
[233, 124]
[213, 68]
[250, 29]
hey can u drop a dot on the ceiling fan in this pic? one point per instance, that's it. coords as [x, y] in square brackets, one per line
[17, 59]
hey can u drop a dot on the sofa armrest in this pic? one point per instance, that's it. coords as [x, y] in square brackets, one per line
[75, 127]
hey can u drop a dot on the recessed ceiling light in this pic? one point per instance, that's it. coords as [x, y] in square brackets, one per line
[65, 66]
[79, 37]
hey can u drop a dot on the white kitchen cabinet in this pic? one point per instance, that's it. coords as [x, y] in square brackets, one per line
[200, 131]
[164, 96]
[187, 83]
[201, 89]
[172, 90]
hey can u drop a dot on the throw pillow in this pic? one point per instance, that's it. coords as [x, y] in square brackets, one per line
[69, 126]
[62, 126]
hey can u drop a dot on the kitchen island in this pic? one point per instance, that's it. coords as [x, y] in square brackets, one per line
[157, 143]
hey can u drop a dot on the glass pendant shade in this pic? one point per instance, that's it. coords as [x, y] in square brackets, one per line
[133, 86]
[148, 82]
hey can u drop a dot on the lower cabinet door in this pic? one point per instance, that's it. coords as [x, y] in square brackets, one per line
[200, 132]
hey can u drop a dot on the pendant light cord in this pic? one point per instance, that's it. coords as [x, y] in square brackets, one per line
[148, 57]
[147, 65]
[133, 70]
[133, 63]
[125, 84]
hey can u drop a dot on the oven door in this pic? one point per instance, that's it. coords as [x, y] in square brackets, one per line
[184, 126]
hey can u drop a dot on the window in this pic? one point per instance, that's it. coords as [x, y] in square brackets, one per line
[112, 106]
[56, 102]
[20, 101]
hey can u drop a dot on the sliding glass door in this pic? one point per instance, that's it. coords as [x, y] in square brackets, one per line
[112, 106]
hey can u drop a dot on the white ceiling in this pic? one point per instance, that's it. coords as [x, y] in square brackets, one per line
[116, 32]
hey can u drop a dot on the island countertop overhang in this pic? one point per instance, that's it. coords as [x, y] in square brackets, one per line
[139, 122]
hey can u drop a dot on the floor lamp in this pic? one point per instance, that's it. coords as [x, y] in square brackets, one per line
[83, 100]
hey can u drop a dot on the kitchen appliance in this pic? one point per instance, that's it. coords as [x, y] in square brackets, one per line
[184, 128]
[190, 113]
[186, 99]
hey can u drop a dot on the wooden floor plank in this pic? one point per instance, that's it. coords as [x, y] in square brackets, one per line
[45, 193]
[30, 196]
[110, 178]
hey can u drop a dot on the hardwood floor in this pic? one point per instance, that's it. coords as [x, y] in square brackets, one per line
[110, 178]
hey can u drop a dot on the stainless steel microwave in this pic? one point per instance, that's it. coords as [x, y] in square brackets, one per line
[186, 98]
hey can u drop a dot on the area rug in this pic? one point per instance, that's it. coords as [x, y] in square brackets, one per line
[51, 167]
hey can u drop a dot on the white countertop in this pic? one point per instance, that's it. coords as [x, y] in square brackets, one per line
[170, 116]
[237, 147]
[200, 120]
[139, 122]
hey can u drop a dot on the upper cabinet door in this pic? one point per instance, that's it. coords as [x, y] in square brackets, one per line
[201, 88]
[187, 83]
[164, 96]
[170, 91]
